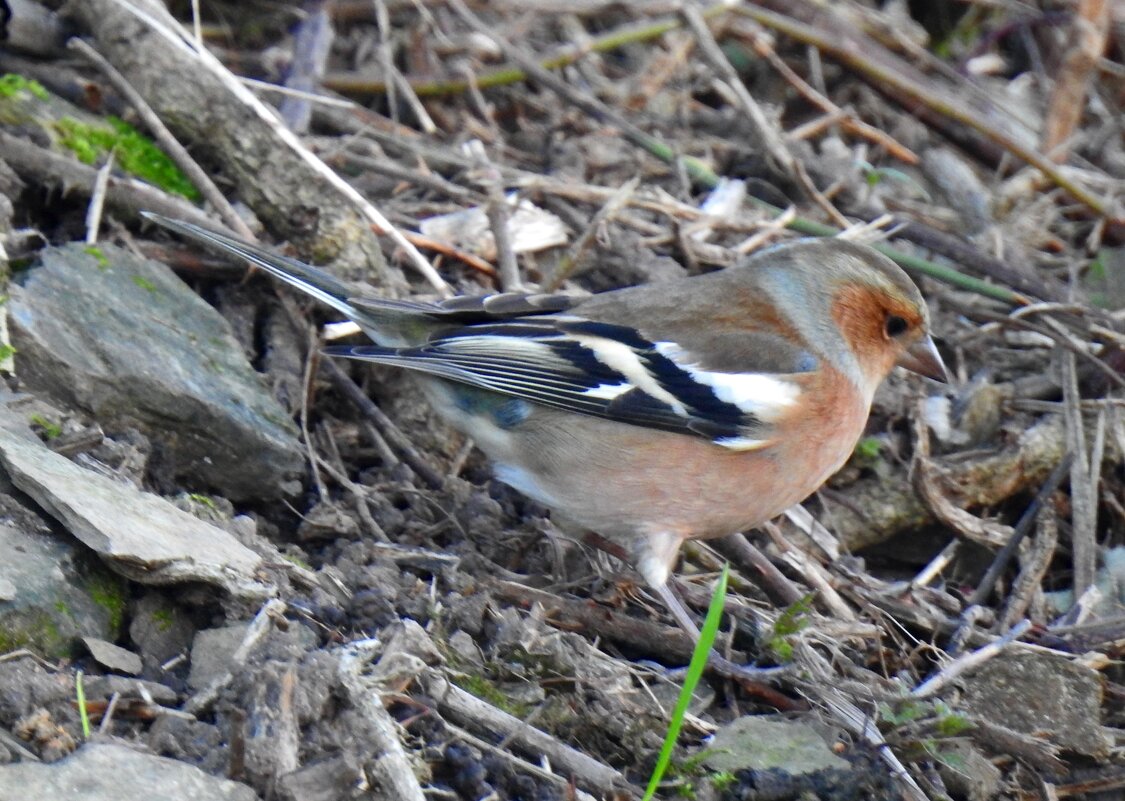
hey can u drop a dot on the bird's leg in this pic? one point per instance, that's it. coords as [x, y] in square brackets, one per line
[654, 563]
[657, 551]
[717, 661]
[678, 610]
[654, 570]
[654, 566]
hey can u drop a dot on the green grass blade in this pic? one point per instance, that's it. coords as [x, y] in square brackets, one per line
[80, 691]
[694, 673]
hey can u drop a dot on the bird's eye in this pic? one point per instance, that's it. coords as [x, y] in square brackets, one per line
[895, 325]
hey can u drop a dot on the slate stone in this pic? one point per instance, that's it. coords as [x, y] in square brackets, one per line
[56, 591]
[112, 656]
[124, 339]
[766, 742]
[105, 772]
[137, 534]
[1041, 695]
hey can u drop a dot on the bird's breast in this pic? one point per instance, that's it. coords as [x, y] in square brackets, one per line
[623, 480]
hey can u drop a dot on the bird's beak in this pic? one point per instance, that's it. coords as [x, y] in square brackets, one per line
[923, 358]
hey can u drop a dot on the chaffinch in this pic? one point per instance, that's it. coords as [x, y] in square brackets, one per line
[690, 408]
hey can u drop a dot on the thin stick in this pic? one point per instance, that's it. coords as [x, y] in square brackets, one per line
[177, 152]
[846, 51]
[1023, 527]
[384, 424]
[969, 660]
[378, 222]
[1082, 473]
[1033, 567]
[97, 200]
[499, 214]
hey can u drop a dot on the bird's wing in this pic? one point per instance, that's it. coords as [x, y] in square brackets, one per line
[601, 369]
[467, 309]
[526, 346]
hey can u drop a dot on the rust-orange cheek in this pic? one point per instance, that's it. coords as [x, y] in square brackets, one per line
[859, 315]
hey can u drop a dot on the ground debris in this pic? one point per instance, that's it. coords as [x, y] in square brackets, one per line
[330, 596]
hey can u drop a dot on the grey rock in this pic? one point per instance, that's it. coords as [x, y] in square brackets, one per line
[138, 535]
[328, 780]
[105, 686]
[211, 653]
[160, 629]
[273, 735]
[967, 772]
[27, 686]
[272, 689]
[318, 673]
[762, 742]
[465, 648]
[1041, 695]
[126, 340]
[102, 772]
[113, 657]
[56, 592]
[193, 741]
[213, 650]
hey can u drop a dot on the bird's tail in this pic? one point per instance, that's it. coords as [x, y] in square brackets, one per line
[305, 277]
[386, 321]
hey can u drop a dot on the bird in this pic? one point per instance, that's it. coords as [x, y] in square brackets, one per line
[690, 408]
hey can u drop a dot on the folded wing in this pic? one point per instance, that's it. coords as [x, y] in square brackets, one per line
[599, 369]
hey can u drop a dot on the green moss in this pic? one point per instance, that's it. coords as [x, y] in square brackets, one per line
[952, 725]
[691, 766]
[868, 448]
[135, 153]
[949, 723]
[293, 559]
[50, 430]
[12, 84]
[98, 256]
[907, 710]
[163, 619]
[202, 500]
[723, 780]
[485, 690]
[791, 621]
[79, 140]
[37, 632]
[144, 283]
[109, 593]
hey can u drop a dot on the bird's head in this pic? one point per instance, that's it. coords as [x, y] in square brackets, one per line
[862, 297]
